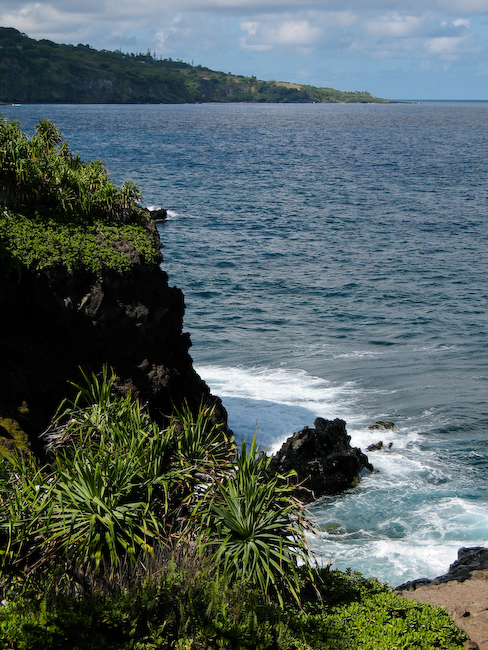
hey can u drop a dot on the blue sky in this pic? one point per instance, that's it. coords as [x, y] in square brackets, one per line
[414, 49]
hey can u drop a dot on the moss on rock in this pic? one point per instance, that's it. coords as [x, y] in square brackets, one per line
[12, 436]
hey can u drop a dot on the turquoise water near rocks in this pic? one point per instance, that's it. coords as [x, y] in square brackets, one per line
[334, 264]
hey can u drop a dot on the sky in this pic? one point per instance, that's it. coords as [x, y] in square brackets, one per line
[408, 49]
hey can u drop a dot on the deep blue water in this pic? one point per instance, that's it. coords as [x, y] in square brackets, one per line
[334, 263]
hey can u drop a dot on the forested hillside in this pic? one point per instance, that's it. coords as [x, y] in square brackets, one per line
[45, 72]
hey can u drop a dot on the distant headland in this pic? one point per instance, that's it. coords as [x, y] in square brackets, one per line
[42, 71]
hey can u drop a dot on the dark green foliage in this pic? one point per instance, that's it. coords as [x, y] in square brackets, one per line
[111, 496]
[118, 490]
[181, 607]
[61, 211]
[102, 546]
[42, 71]
[254, 526]
[39, 176]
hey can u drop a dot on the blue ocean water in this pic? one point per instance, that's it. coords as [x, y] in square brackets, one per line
[334, 263]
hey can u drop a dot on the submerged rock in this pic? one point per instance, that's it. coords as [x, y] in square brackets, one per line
[323, 458]
[375, 447]
[378, 445]
[382, 424]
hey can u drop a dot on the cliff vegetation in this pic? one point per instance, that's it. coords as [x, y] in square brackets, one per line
[46, 72]
[61, 211]
[135, 537]
[138, 523]
[81, 286]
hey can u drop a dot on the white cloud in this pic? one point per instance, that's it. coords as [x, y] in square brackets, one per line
[284, 32]
[395, 25]
[462, 22]
[444, 45]
[41, 20]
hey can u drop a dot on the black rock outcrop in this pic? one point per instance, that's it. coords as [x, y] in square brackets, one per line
[54, 322]
[323, 458]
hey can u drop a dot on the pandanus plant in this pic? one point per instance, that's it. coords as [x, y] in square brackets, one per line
[255, 528]
[40, 176]
[119, 489]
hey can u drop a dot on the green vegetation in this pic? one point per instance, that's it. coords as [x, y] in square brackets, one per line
[184, 608]
[46, 72]
[61, 211]
[132, 537]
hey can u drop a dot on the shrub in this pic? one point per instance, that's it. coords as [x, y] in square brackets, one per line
[39, 176]
[116, 490]
[61, 211]
[254, 527]
[183, 607]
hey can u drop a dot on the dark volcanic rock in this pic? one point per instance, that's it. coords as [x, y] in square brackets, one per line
[323, 459]
[55, 322]
[375, 447]
[382, 424]
[158, 215]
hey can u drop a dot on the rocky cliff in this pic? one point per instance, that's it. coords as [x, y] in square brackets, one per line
[53, 322]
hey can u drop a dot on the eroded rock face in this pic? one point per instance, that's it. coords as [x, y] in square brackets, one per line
[323, 459]
[55, 322]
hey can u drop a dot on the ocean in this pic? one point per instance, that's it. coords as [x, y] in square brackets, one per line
[334, 263]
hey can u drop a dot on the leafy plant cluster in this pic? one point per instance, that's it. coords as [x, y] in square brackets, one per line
[118, 490]
[43, 71]
[60, 210]
[183, 607]
[133, 537]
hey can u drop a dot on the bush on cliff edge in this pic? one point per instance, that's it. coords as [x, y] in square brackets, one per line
[57, 210]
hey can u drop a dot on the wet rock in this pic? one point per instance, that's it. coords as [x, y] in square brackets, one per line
[323, 458]
[379, 445]
[158, 215]
[469, 560]
[382, 424]
[375, 447]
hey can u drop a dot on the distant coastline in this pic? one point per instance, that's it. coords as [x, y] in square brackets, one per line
[44, 72]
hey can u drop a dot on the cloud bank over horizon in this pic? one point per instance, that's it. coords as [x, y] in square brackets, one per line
[410, 50]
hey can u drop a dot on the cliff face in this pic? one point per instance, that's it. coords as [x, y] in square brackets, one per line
[53, 322]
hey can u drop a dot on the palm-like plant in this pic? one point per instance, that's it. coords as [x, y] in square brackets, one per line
[23, 491]
[111, 496]
[201, 445]
[254, 526]
[118, 489]
[40, 176]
